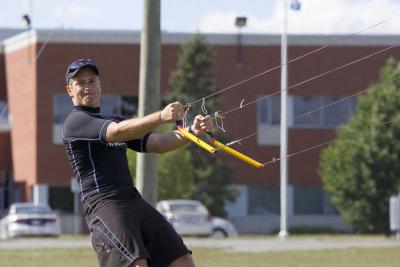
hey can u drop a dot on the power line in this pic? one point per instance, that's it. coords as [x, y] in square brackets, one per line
[292, 60]
[312, 78]
[312, 111]
[60, 21]
[274, 160]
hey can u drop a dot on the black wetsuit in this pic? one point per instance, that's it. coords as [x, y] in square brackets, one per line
[123, 226]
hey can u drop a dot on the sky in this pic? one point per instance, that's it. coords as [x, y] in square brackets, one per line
[209, 16]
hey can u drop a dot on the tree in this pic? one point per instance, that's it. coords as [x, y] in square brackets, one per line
[360, 170]
[193, 80]
[172, 182]
[194, 77]
[190, 172]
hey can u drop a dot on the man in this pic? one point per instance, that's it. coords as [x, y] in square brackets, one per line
[125, 230]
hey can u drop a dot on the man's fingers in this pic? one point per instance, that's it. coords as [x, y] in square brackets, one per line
[203, 119]
[202, 123]
[173, 111]
[176, 110]
[207, 118]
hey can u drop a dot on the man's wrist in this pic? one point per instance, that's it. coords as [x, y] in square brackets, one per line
[160, 118]
[190, 130]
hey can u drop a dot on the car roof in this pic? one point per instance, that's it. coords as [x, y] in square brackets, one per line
[28, 204]
[179, 201]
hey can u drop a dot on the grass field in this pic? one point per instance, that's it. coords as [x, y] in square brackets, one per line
[382, 257]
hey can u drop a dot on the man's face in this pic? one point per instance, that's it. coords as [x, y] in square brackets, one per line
[84, 88]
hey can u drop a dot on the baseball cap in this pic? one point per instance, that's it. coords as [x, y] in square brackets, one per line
[79, 64]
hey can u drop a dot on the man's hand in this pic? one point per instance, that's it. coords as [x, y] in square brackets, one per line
[172, 112]
[201, 124]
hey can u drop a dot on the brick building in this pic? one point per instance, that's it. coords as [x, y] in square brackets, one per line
[32, 92]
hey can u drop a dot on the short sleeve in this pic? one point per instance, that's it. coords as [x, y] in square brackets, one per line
[139, 144]
[85, 126]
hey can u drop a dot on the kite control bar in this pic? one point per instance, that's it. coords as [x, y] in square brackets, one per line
[234, 152]
[194, 138]
[218, 146]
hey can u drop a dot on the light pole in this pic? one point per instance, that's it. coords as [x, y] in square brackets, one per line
[27, 17]
[240, 22]
[27, 20]
[283, 136]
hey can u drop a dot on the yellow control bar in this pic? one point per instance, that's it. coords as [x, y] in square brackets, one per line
[197, 140]
[236, 154]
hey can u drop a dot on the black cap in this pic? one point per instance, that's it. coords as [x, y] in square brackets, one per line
[79, 64]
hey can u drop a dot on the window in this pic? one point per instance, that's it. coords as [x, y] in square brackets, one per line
[4, 120]
[337, 110]
[264, 200]
[312, 200]
[303, 117]
[305, 112]
[328, 206]
[308, 200]
[110, 105]
[125, 106]
[269, 111]
[62, 106]
[322, 111]
[129, 106]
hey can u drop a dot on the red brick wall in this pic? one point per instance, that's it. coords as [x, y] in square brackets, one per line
[119, 73]
[22, 99]
[119, 67]
[31, 90]
[303, 168]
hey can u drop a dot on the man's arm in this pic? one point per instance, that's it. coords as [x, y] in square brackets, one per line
[161, 143]
[135, 128]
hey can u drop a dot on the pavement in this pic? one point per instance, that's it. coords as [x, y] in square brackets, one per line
[230, 244]
[275, 244]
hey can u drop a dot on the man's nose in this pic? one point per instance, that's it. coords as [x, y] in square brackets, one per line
[87, 86]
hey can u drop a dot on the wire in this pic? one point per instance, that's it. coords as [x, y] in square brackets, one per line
[50, 35]
[311, 111]
[292, 60]
[274, 160]
[312, 78]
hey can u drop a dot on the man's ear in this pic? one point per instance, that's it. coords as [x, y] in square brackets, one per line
[68, 89]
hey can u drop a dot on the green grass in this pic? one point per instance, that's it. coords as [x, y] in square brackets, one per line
[48, 258]
[387, 257]
[380, 257]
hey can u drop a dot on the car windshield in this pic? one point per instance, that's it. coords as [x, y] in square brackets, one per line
[187, 207]
[32, 209]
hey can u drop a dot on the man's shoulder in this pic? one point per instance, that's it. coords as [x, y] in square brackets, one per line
[75, 116]
[75, 120]
[84, 125]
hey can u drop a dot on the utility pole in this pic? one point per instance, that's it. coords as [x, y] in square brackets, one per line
[149, 93]
[284, 135]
